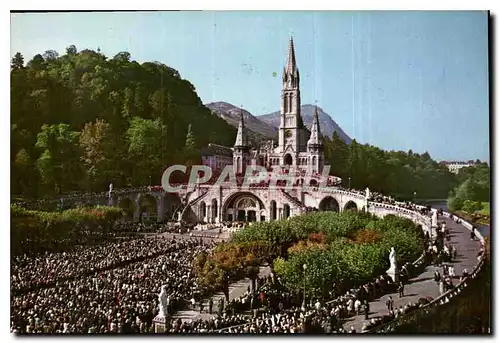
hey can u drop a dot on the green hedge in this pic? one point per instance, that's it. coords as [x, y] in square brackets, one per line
[34, 231]
[343, 261]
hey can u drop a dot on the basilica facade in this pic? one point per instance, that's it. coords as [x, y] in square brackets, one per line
[297, 149]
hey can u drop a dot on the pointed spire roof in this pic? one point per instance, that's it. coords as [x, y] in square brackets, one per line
[315, 130]
[291, 65]
[241, 137]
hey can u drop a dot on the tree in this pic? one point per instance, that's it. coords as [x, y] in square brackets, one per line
[37, 62]
[97, 145]
[140, 99]
[71, 50]
[466, 191]
[146, 142]
[58, 163]
[21, 178]
[128, 103]
[50, 55]
[17, 61]
[190, 143]
[472, 206]
[123, 57]
[191, 153]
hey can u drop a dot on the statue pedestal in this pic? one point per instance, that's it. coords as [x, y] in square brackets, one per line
[159, 323]
[393, 273]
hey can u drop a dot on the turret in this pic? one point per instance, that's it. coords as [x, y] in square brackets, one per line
[241, 149]
[316, 138]
[315, 146]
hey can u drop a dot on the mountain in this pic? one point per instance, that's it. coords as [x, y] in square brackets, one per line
[265, 127]
[257, 130]
[327, 124]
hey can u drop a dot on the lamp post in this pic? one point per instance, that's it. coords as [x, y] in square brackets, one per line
[414, 197]
[149, 180]
[304, 300]
[349, 183]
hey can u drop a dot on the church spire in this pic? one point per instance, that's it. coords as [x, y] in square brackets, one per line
[315, 138]
[241, 138]
[291, 65]
[291, 77]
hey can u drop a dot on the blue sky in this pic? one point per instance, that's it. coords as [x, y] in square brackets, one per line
[397, 80]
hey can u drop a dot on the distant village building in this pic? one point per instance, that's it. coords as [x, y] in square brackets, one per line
[455, 166]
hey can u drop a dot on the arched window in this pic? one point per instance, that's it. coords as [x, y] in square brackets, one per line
[285, 100]
[286, 211]
[214, 208]
[290, 103]
[273, 210]
[203, 210]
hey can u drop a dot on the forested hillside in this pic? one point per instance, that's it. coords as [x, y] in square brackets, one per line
[395, 173]
[473, 193]
[82, 120]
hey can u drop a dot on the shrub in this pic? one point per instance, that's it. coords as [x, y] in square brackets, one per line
[366, 236]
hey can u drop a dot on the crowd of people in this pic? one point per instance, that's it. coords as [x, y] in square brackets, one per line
[113, 288]
[121, 299]
[29, 272]
[274, 310]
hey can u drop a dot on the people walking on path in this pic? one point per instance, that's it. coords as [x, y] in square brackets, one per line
[451, 272]
[401, 289]
[221, 306]
[437, 276]
[441, 287]
[210, 305]
[390, 304]
[350, 306]
[357, 306]
[366, 309]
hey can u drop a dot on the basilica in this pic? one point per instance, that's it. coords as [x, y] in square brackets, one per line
[297, 148]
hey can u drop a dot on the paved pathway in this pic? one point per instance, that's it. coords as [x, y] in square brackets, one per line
[424, 285]
[235, 290]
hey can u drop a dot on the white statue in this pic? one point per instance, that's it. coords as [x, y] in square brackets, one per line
[367, 193]
[163, 300]
[434, 220]
[110, 189]
[392, 260]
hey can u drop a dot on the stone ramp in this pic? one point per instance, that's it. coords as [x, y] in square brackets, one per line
[236, 290]
[424, 285]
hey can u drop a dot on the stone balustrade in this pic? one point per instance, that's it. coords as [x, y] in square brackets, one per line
[447, 296]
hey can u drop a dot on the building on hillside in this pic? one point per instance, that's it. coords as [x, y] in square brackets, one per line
[455, 166]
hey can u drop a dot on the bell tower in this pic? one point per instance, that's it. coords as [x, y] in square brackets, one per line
[290, 131]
